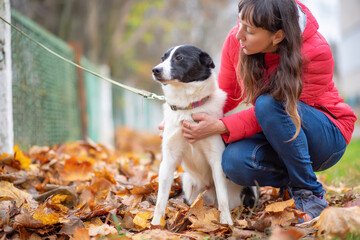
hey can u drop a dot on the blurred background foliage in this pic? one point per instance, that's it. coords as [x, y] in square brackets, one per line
[131, 35]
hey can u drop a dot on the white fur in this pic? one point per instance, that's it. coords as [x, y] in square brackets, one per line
[200, 160]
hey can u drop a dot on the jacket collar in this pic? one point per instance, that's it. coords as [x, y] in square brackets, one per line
[311, 25]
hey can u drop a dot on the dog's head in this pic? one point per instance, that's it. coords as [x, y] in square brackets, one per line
[183, 63]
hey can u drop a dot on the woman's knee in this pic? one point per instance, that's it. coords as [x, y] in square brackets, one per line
[237, 168]
[266, 109]
[265, 104]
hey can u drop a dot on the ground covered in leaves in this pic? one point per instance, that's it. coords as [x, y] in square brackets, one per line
[86, 191]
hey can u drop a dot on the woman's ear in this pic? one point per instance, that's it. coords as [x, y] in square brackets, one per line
[278, 37]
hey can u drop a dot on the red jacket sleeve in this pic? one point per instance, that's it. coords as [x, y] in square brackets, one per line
[241, 125]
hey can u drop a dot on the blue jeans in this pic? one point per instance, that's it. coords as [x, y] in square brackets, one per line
[267, 159]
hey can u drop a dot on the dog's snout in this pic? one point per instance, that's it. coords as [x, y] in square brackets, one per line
[157, 70]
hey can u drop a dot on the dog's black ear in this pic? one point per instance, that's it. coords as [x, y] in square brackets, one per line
[206, 60]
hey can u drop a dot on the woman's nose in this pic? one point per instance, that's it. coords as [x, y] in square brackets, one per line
[239, 35]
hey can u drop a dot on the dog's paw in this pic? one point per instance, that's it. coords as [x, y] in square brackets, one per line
[225, 218]
[249, 196]
[156, 220]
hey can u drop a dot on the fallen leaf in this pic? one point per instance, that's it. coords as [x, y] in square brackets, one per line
[180, 222]
[46, 215]
[69, 227]
[246, 234]
[34, 236]
[142, 190]
[75, 170]
[4, 155]
[242, 223]
[284, 218]
[289, 234]
[101, 187]
[132, 200]
[9, 192]
[336, 221]
[127, 221]
[280, 206]
[141, 220]
[21, 158]
[81, 234]
[104, 173]
[57, 201]
[26, 220]
[203, 218]
[101, 230]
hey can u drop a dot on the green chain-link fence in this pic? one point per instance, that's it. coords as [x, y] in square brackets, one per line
[45, 108]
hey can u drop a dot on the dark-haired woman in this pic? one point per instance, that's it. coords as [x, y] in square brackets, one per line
[276, 59]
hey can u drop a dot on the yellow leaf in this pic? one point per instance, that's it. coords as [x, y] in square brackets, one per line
[162, 222]
[4, 155]
[9, 192]
[60, 198]
[141, 220]
[280, 206]
[56, 202]
[21, 158]
[46, 218]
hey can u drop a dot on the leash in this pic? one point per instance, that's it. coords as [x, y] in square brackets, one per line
[144, 93]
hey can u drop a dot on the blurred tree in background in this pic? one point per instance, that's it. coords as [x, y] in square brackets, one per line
[131, 35]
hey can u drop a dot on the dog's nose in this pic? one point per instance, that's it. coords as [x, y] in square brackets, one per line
[157, 70]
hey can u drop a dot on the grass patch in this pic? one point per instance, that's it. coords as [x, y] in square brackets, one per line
[347, 170]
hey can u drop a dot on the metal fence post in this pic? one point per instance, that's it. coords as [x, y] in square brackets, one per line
[77, 47]
[6, 113]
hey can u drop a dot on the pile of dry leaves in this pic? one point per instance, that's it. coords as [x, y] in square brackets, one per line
[86, 191]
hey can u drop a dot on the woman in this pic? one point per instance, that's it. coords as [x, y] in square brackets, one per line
[276, 60]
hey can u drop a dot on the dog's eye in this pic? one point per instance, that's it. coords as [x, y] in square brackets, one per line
[178, 58]
[162, 59]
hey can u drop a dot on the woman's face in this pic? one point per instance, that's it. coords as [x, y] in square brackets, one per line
[254, 39]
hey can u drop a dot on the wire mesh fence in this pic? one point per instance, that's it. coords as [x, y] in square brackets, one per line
[45, 109]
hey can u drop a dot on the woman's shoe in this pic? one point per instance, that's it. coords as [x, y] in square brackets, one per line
[306, 201]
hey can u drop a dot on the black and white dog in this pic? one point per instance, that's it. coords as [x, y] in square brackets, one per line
[190, 86]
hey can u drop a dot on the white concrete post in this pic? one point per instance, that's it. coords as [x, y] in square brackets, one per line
[6, 113]
[106, 131]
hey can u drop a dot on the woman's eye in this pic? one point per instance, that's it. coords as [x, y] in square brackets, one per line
[178, 58]
[249, 31]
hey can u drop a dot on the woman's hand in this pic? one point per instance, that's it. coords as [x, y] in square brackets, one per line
[161, 128]
[204, 126]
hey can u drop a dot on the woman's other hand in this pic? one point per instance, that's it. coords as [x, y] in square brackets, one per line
[161, 128]
[204, 126]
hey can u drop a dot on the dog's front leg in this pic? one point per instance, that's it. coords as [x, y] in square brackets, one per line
[220, 183]
[166, 176]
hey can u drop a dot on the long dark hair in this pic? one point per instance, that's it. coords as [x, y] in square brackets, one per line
[285, 83]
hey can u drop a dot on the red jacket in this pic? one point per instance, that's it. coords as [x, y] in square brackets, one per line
[319, 90]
